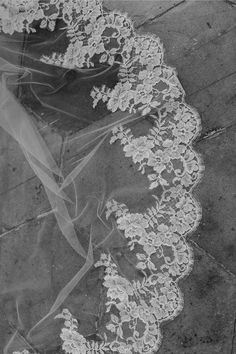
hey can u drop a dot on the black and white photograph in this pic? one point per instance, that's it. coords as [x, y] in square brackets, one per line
[117, 176]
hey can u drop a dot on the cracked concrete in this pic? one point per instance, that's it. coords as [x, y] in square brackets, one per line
[140, 14]
[222, 266]
[233, 337]
[153, 19]
[231, 3]
[211, 84]
[200, 41]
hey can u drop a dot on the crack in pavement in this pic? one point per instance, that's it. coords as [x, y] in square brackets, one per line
[18, 185]
[151, 20]
[211, 84]
[233, 337]
[213, 133]
[212, 258]
[17, 227]
[10, 229]
[230, 2]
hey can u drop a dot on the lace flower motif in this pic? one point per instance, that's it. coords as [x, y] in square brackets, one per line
[73, 341]
[19, 15]
[157, 235]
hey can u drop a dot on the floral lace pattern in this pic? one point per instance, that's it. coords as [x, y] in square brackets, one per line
[157, 235]
[19, 15]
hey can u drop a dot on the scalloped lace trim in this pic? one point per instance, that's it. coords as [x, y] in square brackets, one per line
[165, 155]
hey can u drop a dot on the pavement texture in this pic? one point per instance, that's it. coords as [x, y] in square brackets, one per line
[199, 37]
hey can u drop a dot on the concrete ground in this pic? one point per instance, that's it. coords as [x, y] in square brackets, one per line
[199, 37]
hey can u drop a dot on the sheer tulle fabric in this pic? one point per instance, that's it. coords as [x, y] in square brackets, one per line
[126, 226]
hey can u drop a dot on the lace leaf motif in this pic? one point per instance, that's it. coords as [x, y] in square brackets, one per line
[165, 155]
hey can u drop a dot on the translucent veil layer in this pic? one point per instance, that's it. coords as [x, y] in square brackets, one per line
[121, 195]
